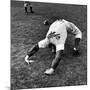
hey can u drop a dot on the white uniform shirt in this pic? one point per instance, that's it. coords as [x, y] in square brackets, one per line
[57, 34]
[59, 25]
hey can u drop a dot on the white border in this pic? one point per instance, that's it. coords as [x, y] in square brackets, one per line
[5, 43]
[84, 2]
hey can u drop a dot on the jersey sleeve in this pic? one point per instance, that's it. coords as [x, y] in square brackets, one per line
[74, 30]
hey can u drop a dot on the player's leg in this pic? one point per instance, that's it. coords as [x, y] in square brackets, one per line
[26, 10]
[56, 60]
[31, 9]
[35, 48]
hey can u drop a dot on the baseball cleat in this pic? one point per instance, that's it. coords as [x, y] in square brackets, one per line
[49, 71]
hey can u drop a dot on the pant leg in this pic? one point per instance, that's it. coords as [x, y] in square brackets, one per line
[25, 9]
[31, 9]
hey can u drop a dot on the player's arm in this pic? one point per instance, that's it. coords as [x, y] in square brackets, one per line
[76, 31]
[55, 62]
[57, 59]
[78, 35]
[41, 44]
[31, 51]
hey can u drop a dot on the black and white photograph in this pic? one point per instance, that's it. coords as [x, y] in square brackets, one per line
[48, 45]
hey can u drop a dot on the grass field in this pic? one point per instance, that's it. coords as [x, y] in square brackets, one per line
[27, 30]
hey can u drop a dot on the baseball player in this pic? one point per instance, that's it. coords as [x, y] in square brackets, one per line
[57, 35]
[26, 6]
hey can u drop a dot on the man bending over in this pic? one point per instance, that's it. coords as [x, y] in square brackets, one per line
[57, 35]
